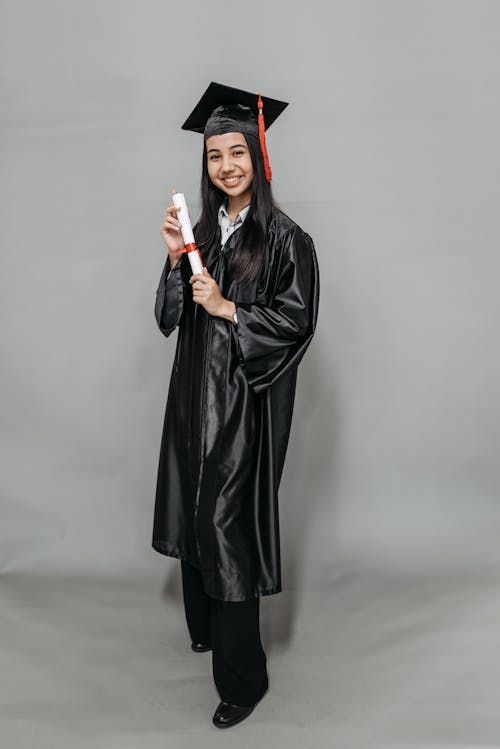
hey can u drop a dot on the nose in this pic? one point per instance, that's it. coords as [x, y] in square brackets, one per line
[227, 163]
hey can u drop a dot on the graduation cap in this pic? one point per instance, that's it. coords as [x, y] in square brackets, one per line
[223, 109]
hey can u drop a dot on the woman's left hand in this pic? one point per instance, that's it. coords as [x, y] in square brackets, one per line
[207, 293]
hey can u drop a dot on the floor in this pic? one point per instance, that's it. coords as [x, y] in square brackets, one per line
[370, 660]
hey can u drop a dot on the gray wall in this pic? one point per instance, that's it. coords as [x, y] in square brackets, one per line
[387, 156]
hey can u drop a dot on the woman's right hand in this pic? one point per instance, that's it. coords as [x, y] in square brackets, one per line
[171, 233]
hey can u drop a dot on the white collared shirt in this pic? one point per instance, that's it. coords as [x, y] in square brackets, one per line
[226, 227]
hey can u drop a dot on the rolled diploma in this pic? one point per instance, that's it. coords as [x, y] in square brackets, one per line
[192, 250]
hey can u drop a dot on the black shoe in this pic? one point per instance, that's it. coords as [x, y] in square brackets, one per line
[200, 647]
[228, 715]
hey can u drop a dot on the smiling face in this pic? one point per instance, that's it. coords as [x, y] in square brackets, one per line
[230, 166]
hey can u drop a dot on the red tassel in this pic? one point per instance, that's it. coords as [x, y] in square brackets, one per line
[262, 138]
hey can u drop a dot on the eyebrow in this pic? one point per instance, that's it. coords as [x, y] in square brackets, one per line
[236, 145]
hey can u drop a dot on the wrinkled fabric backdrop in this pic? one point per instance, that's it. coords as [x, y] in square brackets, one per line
[387, 155]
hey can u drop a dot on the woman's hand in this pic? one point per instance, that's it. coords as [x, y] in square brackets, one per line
[171, 233]
[207, 293]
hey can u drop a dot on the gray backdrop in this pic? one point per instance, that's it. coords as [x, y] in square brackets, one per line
[387, 156]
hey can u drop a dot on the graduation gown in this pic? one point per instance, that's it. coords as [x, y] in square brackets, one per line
[229, 412]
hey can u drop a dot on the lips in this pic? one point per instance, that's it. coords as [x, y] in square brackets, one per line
[231, 181]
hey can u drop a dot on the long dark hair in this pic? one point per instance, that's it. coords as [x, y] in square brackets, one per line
[251, 256]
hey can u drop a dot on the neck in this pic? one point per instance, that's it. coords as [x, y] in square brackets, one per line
[235, 205]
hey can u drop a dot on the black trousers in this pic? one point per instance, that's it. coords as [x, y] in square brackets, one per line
[233, 631]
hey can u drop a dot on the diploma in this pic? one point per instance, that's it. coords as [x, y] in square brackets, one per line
[190, 247]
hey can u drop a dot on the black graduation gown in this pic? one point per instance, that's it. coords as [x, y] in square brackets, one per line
[229, 412]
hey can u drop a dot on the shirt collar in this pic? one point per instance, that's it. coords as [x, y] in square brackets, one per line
[239, 218]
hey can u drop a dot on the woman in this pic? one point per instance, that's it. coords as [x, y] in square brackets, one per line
[244, 324]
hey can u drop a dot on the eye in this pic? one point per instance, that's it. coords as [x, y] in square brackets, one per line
[213, 156]
[237, 153]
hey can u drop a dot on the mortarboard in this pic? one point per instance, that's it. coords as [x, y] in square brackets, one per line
[223, 109]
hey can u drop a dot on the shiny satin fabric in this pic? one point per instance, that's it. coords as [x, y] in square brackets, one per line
[229, 412]
[231, 118]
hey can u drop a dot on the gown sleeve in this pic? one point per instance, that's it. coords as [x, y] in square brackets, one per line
[272, 339]
[170, 296]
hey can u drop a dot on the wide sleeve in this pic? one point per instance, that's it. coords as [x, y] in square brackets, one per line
[170, 296]
[273, 339]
